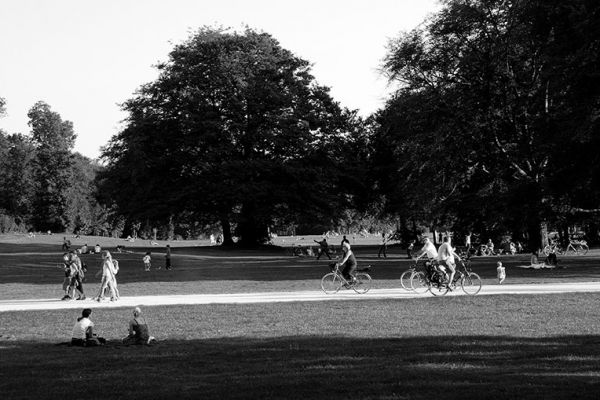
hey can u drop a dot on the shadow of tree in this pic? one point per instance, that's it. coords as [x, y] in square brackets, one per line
[313, 367]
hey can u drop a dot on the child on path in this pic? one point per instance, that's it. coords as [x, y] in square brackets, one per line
[501, 272]
[146, 260]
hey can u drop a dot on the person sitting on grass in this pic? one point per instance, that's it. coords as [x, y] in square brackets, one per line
[138, 330]
[83, 331]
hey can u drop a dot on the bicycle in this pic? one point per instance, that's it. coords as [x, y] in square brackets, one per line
[485, 250]
[434, 281]
[407, 275]
[333, 281]
[552, 247]
[578, 247]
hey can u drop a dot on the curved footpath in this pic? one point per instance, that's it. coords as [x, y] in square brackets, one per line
[274, 297]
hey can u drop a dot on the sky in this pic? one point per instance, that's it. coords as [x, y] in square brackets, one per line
[84, 58]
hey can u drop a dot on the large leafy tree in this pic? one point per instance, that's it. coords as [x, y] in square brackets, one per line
[234, 130]
[495, 98]
[53, 139]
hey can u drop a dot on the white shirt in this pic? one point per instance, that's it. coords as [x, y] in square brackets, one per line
[429, 250]
[445, 253]
[81, 327]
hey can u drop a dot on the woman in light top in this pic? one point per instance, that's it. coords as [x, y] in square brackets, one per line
[109, 280]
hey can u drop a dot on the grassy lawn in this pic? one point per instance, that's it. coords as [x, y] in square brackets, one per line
[544, 347]
[500, 347]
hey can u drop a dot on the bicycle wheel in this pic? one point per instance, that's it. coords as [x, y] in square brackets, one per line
[419, 283]
[438, 289]
[362, 283]
[471, 284]
[547, 250]
[583, 249]
[331, 283]
[405, 279]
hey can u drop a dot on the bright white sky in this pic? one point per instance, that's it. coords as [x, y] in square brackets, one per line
[84, 57]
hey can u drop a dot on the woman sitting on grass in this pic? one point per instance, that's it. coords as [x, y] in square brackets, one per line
[138, 330]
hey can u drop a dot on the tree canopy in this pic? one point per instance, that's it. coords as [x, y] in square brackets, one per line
[495, 97]
[234, 130]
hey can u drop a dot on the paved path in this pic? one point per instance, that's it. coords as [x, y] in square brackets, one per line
[275, 297]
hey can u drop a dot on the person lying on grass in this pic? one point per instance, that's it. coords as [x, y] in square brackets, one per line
[83, 331]
[138, 330]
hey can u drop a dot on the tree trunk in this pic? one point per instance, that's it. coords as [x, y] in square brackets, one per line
[226, 228]
[253, 232]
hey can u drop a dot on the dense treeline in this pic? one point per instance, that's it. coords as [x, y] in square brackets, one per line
[493, 129]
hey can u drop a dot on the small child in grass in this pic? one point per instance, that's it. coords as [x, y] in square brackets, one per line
[146, 260]
[501, 272]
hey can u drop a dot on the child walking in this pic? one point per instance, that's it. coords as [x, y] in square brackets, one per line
[501, 272]
[146, 260]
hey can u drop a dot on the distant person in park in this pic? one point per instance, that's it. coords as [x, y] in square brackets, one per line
[83, 331]
[501, 272]
[410, 248]
[323, 248]
[66, 244]
[97, 249]
[344, 240]
[383, 246]
[109, 281]
[77, 276]
[428, 250]
[147, 258]
[468, 242]
[490, 246]
[138, 329]
[348, 263]
[168, 258]
[535, 262]
[84, 249]
[69, 270]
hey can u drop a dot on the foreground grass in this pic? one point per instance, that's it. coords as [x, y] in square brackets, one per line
[542, 347]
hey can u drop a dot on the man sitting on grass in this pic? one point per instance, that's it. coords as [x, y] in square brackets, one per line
[83, 331]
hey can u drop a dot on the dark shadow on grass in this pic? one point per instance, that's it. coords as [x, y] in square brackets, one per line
[471, 367]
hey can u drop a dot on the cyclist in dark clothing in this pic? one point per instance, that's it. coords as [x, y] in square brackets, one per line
[348, 263]
[324, 249]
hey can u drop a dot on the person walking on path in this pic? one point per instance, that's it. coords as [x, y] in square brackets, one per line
[108, 278]
[323, 248]
[168, 258]
[383, 246]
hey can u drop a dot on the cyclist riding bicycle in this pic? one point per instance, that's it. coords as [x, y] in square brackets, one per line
[428, 249]
[446, 258]
[348, 263]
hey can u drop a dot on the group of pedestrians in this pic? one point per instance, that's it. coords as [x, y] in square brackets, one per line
[75, 269]
[83, 333]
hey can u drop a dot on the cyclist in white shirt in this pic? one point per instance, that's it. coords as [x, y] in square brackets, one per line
[428, 249]
[446, 258]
